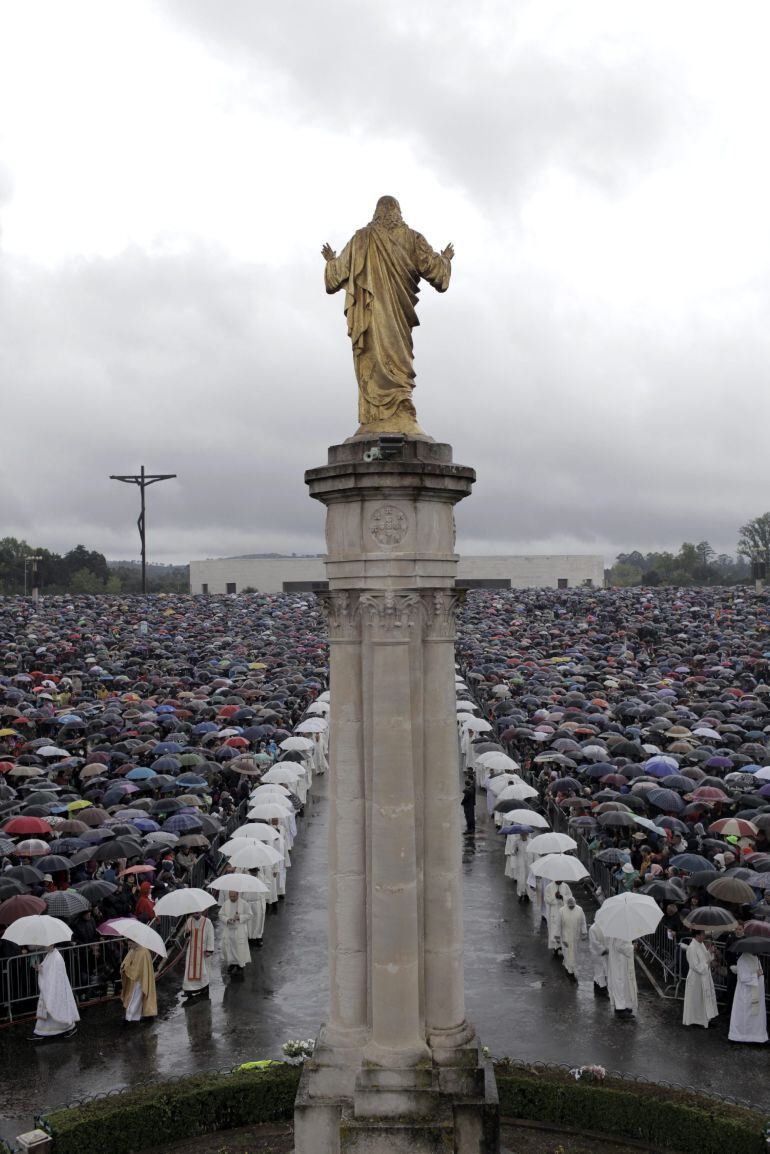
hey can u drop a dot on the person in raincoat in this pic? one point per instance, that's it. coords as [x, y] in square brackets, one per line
[700, 1000]
[57, 1011]
[138, 994]
[621, 977]
[570, 930]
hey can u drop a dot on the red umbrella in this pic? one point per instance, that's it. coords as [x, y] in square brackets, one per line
[140, 869]
[22, 906]
[753, 929]
[27, 825]
[735, 826]
[709, 793]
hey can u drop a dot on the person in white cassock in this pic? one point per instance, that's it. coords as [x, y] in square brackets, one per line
[57, 1010]
[320, 761]
[621, 977]
[554, 897]
[598, 949]
[570, 930]
[200, 947]
[518, 861]
[748, 1017]
[257, 905]
[235, 916]
[700, 1000]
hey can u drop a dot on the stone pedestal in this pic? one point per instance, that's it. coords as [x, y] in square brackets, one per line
[397, 1066]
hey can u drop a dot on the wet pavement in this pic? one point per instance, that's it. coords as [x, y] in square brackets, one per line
[518, 997]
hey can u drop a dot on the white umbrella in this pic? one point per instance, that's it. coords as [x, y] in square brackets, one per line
[282, 775]
[495, 760]
[37, 930]
[257, 830]
[466, 706]
[477, 724]
[560, 867]
[319, 707]
[551, 843]
[629, 916]
[268, 811]
[183, 901]
[763, 774]
[525, 817]
[271, 789]
[463, 717]
[519, 791]
[303, 744]
[322, 696]
[312, 725]
[139, 933]
[158, 837]
[239, 884]
[501, 781]
[52, 751]
[250, 855]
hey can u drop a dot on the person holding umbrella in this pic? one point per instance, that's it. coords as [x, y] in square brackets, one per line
[700, 1000]
[200, 948]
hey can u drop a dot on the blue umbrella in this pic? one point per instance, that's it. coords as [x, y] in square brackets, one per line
[141, 773]
[145, 824]
[665, 799]
[182, 823]
[516, 829]
[168, 747]
[659, 767]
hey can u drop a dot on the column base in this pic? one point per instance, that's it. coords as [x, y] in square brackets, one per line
[425, 1109]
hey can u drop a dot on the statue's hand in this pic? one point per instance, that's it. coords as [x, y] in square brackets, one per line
[328, 253]
[449, 251]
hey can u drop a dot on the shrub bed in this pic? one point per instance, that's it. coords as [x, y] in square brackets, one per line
[662, 1117]
[130, 1122]
[658, 1116]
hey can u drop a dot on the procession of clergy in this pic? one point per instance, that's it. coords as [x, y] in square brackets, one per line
[612, 959]
[252, 881]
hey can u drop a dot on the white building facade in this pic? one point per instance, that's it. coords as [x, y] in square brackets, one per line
[307, 574]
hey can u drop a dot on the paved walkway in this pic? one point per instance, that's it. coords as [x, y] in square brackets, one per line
[518, 997]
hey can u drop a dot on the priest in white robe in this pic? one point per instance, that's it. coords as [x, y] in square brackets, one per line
[748, 1018]
[554, 897]
[621, 977]
[598, 949]
[200, 948]
[57, 1011]
[700, 1000]
[235, 916]
[571, 930]
[521, 860]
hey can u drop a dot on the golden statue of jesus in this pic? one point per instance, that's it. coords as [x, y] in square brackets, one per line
[380, 268]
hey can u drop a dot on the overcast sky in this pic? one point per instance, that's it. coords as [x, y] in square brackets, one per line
[169, 171]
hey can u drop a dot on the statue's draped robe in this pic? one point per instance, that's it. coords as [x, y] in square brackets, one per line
[381, 270]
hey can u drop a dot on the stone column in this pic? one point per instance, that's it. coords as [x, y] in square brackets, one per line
[397, 1066]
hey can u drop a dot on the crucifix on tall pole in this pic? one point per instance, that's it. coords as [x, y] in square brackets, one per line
[142, 479]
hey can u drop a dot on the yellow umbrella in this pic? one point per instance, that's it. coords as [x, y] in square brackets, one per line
[76, 805]
[12, 732]
[257, 665]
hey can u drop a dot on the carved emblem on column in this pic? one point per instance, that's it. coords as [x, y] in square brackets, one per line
[340, 608]
[388, 525]
[440, 606]
[392, 612]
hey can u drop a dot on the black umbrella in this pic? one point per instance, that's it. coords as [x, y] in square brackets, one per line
[711, 919]
[751, 946]
[664, 891]
[53, 863]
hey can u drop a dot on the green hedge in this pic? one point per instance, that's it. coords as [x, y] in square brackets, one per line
[668, 1119]
[167, 1112]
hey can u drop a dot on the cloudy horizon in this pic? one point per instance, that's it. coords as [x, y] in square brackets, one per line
[169, 171]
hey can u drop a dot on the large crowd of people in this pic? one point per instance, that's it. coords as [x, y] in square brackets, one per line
[635, 726]
[147, 746]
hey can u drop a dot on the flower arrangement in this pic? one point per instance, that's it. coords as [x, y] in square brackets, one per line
[589, 1073]
[297, 1050]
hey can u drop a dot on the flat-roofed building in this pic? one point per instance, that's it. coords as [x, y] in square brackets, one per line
[307, 574]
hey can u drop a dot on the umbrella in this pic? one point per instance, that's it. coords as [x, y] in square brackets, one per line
[755, 945]
[53, 863]
[690, 863]
[526, 817]
[731, 890]
[664, 891]
[183, 901]
[37, 930]
[10, 887]
[559, 867]
[551, 843]
[497, 761]
[268, 811]
[32, 847]
[251, 855]
[614, 819]
[756, 929]
[302, 744]
[95, 891]
[20, 906]
[665, 799]
[519, 791]
[477, 725]
[737, 827]
[613, 856]
[28, 875]
[311, 725]
[26, 825]
[712, 919]
[139, 933]
[239, 884]
[628, 916]
[66, 903]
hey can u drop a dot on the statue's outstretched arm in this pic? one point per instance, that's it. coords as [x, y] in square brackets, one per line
[337, 267]
[434, 267]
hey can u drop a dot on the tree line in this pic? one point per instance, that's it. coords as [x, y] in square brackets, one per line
[697, 564]
[81, 570]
